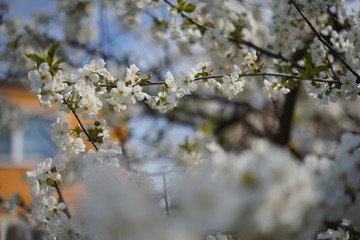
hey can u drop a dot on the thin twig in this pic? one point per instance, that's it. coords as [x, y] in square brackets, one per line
[333, 51]
[66, 210]
[81, 125]
[187, 17]
[265, 51]
[241, 75]
[240, 41]
[331, 67]
[165, 194]
[56, 185]
[288, 76]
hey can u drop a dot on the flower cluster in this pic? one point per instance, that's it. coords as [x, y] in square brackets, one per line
[44, 87]
[333, 235]
[47, 210]
[348, 89]
[273, 88]
[274, 193]
[66, 144]
[340, 179]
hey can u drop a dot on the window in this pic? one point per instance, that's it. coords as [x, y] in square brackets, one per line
[30, 144]
[5, 143]
[37, 139]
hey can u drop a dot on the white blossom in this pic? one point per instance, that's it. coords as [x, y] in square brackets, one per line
[333, 235]
[232, 83]
[272, 88]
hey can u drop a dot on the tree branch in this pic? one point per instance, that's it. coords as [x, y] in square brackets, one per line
[165, 194]
[58, 190]
[321, 39]
[81, 125]
[56, 184]
[240, 41]
[285, 119]
[203, 28]
[241, 75]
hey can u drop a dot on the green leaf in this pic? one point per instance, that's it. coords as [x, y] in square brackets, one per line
[59, 60]
[50, 182]
[302, 74]
[93, 133]
[51, 53]
[76, 131]
[189, 8]
[52, 71]
[187, 146]
[37, 59]
[207, 128]
[319, 69]
[309, 64]
[278, 67]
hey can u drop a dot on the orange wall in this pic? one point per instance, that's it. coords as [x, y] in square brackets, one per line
[12, 181]
[21, 97]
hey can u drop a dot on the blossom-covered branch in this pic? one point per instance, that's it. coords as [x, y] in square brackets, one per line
[61, 199]
[240, 41]
[81, 125]
[333, 51]
[260, 74]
